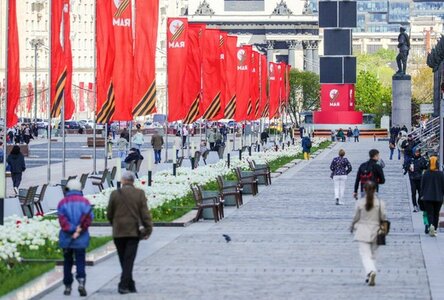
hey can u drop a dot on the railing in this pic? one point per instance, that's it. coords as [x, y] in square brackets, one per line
[428, 136]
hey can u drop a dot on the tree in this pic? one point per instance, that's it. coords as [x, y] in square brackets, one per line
[422, 85]
[372, 96]
[381, 63]
[304, 93]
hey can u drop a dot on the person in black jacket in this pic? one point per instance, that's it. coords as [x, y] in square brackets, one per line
[432, 189]
[415, 166]
[369, 171]
[16, 162]
[408, 146]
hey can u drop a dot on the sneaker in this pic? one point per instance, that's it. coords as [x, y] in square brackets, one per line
[432, 231]
[368, 276]
[337, 201]
[415, 208]
[371, 279]
[67, 291]
[426, 230]
[341, 203]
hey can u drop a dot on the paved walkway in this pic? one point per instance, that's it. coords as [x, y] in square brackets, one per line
[289, 242]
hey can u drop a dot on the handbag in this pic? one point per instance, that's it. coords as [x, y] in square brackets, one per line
[384, 228]
[141, 230]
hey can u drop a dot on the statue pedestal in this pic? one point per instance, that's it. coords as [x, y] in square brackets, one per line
[402, 101]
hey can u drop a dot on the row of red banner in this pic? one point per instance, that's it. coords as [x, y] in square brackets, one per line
[125, 86]
[210, 77]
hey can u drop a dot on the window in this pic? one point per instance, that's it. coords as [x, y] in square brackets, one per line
[399, 12]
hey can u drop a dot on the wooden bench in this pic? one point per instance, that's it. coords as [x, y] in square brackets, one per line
[100, 142]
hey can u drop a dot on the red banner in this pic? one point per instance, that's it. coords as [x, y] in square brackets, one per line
[211, 75]
[177, 38]
[192, 88]
[13, 73]
[105, 47]
[223, 75]
[91, 97]
[29, 97]
[123, 69]
[243, 102]
[231, 72]
[273, 76]
[254, 86]
[61, 59]
[147, 14]
[263, 107]
[81, 96]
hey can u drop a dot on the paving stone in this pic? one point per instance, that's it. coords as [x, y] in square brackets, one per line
[290, 242]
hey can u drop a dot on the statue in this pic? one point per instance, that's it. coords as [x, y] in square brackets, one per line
[404, 47]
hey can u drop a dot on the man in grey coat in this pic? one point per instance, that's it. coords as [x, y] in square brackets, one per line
[129, 215]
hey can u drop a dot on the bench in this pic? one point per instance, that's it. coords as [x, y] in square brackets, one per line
[100, 142]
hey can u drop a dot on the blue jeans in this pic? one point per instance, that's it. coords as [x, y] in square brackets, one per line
[157, 157]
[68, 263]
[138, 146]
[392, 152]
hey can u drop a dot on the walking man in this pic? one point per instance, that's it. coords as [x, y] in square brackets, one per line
[369, 171]
[75, 216]
[415, 166]
[130, 218]
[157, 143]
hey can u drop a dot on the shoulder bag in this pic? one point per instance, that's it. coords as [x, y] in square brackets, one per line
[141, 230]
[384, 228]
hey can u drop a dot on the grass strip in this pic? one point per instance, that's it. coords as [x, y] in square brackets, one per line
[20, 274]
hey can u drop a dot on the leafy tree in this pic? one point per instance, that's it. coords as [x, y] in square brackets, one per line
[381, 63]
[422, 83]
[372, 96]
[304, 93]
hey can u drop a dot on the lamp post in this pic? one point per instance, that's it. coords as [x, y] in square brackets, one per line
[36, 44]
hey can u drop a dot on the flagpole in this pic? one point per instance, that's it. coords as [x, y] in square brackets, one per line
[167, 106]
[95, 96]
[62, 126]
[48, 172]
[5, 114]
[106, 145]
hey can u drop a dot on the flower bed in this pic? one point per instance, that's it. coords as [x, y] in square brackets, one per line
[22, 239]
[169, 196]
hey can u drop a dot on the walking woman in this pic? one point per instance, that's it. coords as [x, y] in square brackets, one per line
[432, 188]
[368, 214]
[16, 162]
[340, 167]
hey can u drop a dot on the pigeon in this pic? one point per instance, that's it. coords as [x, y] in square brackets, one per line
[227, 237]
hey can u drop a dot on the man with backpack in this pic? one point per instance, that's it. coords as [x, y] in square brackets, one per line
[415, 166]
[369, 171]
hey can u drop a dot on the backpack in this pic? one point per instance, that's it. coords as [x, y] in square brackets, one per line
[366, 174]
[308, 144]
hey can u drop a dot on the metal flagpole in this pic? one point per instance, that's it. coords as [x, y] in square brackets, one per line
[106, 145]
[166, 109]
[49, 96]
[63, 138]
[5, 109]
[95, 97]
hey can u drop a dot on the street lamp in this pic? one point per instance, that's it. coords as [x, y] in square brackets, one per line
[36, 44]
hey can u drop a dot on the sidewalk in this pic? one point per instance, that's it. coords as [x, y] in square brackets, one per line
[289, 242]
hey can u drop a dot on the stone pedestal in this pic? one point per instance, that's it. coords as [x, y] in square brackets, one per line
[402, 101]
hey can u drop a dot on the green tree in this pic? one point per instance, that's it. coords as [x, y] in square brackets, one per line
[304, 93]
[381, 63]
[372, 96]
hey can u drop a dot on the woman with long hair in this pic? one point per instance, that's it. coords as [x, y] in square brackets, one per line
[340, 167]
[368, 214]
[432, 191]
